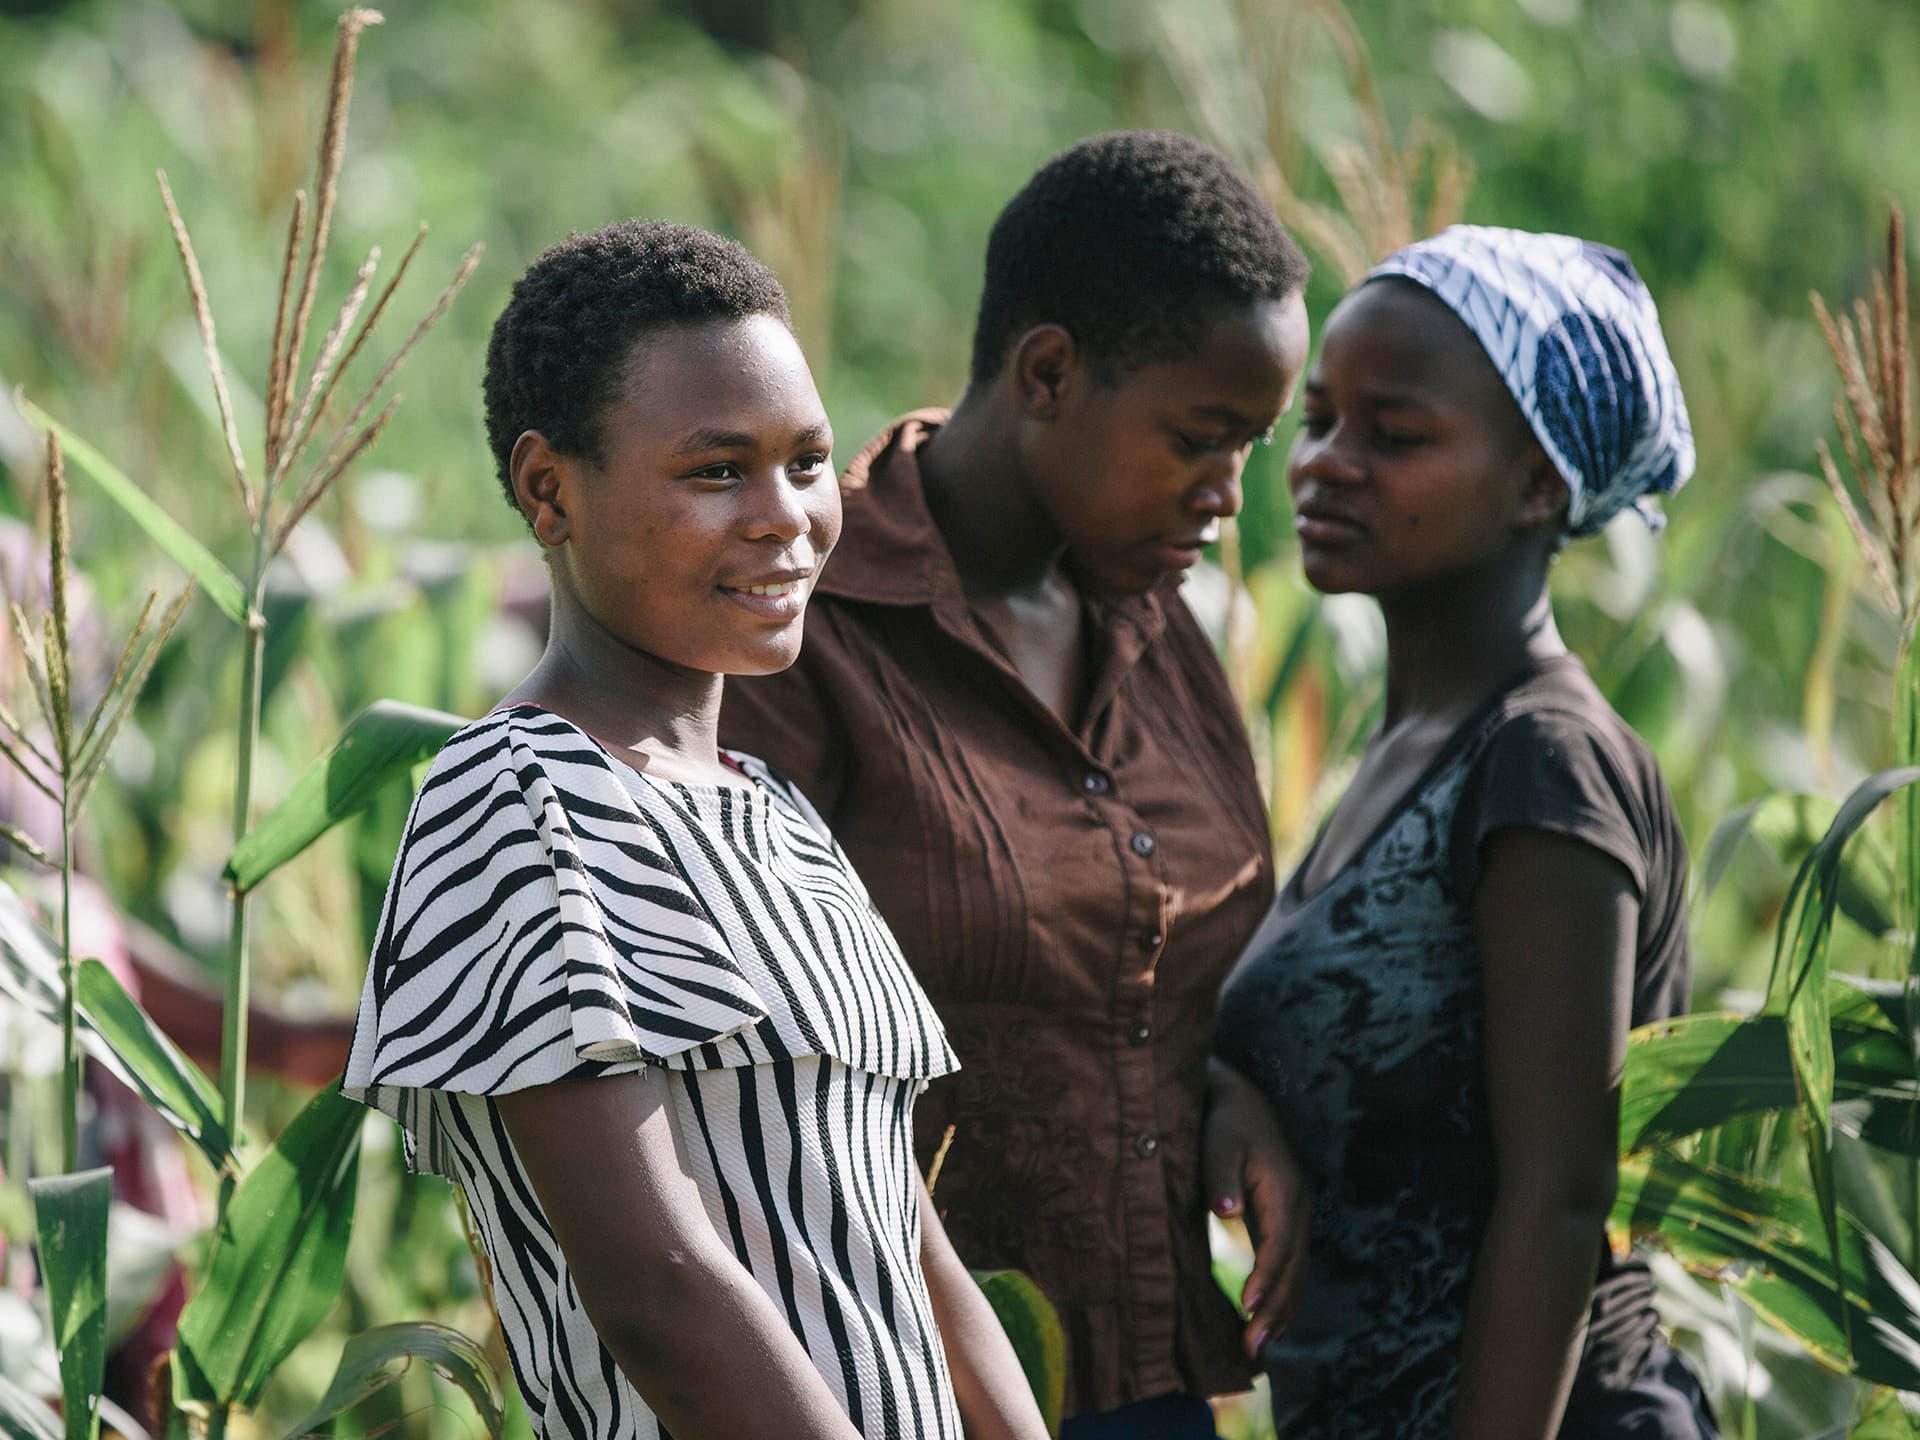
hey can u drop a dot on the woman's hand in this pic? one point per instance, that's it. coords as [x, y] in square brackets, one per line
[1251, 1174]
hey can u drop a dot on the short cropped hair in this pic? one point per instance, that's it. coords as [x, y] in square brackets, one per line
[1130, 241]
[560, 349]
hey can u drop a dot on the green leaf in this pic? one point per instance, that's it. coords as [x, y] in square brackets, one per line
[380, 1357]
[1701, 1071]
[1033, 1327]
[166, 1079]
[71, 1211]
[22, 1417]
[381, 743]
[277, 1263]
[1886, 1418]
[113, 1029]
[220, 584]
[1798, 984]
[1770, 1244]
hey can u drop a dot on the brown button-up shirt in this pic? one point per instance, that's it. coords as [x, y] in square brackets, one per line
[1070, 898]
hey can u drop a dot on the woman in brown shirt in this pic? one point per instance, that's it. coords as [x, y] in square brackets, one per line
[1027, 747]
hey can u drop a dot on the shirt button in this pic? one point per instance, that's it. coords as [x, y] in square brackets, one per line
[1150, 940]
[1147, 1146]
[1094, 783]
[1139, 1035]
[1142, 844]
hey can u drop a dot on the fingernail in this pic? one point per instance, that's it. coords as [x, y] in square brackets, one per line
[1259, 1340]
[1251, 1302]
[1225, 1205]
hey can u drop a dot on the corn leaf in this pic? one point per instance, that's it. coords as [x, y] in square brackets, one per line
[378, 1358]
[1704, 1070]
[1797, 986]
[150, 1065]
[1770, 1244]
[220, 584]
[380, 744]
[166, 1079]
[278, 1259]
[22, 1417]
[1033, 1328]
[1886, 1418]
[71, 1213]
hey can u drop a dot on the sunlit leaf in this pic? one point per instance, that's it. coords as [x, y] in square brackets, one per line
[1033, 1328]
[380, 1357]
[71, 1216]
[380, 744]
[151, 1065]
[1700, 1071]
[1797, 986]
[220, 584]
[1769, 1243]
[1886, 1418]
[168, 1081]
[278, 1260]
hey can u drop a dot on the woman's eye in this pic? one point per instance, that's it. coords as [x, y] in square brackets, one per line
[1396, 439]
[811, 465]
[1201, 444]
[725, 470]
[1315, 424]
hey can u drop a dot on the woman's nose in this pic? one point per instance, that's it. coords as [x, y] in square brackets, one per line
[783, 513]
[1325, 457]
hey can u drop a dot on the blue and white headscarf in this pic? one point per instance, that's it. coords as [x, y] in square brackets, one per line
[1573, 332]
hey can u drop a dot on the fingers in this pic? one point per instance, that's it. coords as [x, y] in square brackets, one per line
[1222, 1161]
[1279, 1216]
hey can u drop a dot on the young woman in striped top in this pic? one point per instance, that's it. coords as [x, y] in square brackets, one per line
[627, 991]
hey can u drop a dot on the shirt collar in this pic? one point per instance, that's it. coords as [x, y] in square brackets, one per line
[890, 552]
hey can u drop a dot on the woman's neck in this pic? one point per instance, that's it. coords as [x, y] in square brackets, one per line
[656, 715]
[1446, 652]
[982, 503]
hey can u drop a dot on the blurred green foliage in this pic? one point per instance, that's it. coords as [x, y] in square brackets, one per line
[1743, 154]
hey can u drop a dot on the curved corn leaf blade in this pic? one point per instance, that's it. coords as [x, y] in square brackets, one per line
[22, 1417]
[71, 1214]
[1033, 1328]
[168, 1081]
[1770, 1243]
[150, 1065]
[1797, 986]
[378, 1358]
[380, 744]
[220, 584]
[1700, 1071]
[277, 1263]
[1789, 826]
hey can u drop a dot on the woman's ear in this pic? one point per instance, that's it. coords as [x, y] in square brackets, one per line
[541, 477]
[1044, 361]
[1544, 497]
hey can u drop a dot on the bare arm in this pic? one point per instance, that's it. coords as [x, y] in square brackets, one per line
[695, 1335]
[1555, 920]
[1250, 1171]
[995, 1399]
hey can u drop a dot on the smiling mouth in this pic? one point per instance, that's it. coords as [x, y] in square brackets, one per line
[785, 587]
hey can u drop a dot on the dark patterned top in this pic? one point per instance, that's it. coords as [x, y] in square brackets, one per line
[554, 915]
[1357, 1010]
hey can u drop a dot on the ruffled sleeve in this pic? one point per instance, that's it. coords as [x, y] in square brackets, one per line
[535, 930]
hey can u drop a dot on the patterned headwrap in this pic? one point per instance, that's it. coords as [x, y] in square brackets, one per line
[1572, 330]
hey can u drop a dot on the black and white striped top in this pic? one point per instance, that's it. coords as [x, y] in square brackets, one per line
[554, 915]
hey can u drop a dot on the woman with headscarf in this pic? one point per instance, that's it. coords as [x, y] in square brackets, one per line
[1436, 1006]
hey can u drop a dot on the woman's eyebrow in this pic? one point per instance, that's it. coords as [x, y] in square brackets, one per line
[701, 441]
